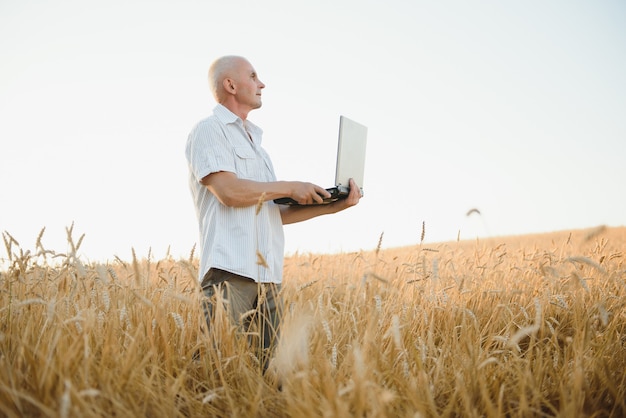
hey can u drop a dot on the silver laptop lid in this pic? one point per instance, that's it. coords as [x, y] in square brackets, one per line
[350, 154]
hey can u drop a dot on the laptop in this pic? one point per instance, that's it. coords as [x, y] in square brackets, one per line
[350, 162]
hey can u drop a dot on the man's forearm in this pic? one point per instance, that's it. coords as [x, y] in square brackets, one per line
[235, 192]
[248, 192]
[293, 214]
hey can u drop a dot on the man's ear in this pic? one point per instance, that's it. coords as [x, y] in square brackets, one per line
[229, 85]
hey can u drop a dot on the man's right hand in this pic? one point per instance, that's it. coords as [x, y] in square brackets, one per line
[308, 193]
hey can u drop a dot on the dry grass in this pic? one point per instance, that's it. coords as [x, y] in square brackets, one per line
[525, 326]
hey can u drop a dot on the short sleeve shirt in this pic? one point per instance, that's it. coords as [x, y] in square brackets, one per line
[243, 241]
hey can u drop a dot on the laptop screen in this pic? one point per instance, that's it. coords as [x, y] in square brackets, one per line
[350, 153]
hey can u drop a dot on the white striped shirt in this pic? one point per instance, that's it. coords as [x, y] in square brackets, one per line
[230, 237]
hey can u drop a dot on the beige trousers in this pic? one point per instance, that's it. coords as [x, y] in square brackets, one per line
[256, 308]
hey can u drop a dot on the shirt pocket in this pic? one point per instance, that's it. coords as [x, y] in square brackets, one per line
[245, 162]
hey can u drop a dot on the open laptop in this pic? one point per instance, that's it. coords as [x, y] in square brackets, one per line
[350, 161]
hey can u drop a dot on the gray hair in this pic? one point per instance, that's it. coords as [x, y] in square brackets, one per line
[220, 69]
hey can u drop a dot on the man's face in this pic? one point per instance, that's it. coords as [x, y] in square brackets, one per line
[248, 86]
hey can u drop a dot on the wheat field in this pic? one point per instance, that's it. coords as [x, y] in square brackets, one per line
[519, 327]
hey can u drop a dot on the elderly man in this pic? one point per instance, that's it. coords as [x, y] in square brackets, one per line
[233, 186]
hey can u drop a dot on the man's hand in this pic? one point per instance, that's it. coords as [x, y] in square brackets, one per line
[353, 197]
[308, 193]
[293, 214]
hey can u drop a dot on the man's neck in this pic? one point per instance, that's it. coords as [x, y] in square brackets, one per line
[237, 109]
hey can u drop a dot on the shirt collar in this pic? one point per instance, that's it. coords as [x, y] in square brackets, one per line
[227, 117]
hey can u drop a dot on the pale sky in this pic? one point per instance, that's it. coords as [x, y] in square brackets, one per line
[517, 108]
